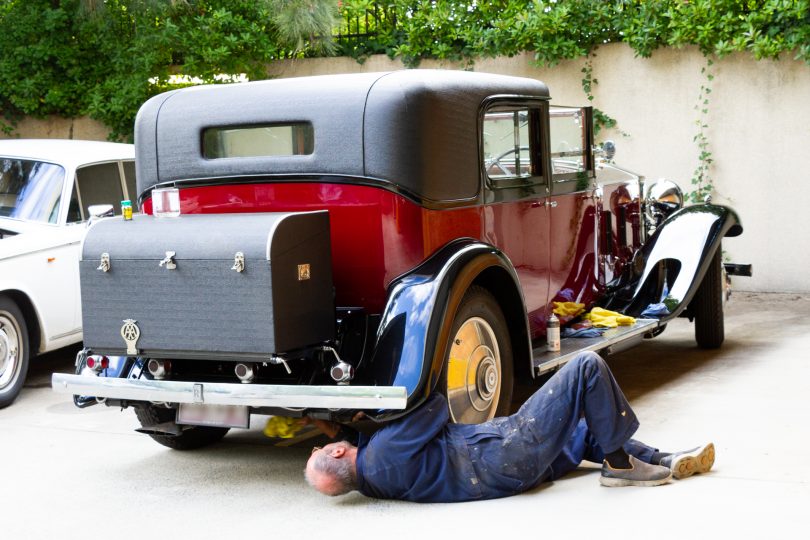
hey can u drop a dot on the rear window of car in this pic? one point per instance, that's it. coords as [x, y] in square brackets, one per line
[294, 139]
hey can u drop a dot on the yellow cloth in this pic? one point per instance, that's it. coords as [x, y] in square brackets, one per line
[603, 318]
[568, 309]
[282, 427]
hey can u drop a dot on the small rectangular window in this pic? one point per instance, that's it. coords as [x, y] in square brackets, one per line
[507, 148]
[259, 141]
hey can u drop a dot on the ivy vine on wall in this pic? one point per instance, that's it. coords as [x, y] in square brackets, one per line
[702, 184]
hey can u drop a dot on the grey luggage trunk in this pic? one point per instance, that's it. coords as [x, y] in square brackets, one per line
[180, 289]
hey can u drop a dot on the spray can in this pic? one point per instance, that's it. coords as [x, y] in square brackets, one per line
[553, 333]
[126, 209]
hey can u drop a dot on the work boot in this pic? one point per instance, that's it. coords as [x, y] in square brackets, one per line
[639, 474]
[694, 461]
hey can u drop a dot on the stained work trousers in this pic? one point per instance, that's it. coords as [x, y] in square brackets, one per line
[579, 414]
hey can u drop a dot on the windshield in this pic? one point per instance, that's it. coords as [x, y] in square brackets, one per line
[30, 190]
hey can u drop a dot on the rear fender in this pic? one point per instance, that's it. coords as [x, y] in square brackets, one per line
[674, 259]
[416, 322]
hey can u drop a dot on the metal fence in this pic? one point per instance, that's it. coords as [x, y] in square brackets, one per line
[361, 27]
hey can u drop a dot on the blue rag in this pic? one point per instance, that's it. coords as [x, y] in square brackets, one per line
[655, 311]
[582, 332]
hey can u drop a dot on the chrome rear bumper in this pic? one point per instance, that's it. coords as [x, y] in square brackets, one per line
[251, 395]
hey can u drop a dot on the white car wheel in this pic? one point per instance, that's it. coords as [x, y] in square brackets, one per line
[13, 351]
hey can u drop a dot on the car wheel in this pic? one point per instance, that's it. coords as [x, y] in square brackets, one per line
[191, 438]
[13, 351]
[477, 377]
[707, 306]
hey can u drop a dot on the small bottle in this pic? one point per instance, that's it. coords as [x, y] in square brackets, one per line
[126, 210]
[553, 333]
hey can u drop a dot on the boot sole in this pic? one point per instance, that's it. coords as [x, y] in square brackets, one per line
[623, 482]
[698, 462]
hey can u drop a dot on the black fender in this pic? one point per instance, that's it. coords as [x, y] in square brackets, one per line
[674, 259]
[415, 326]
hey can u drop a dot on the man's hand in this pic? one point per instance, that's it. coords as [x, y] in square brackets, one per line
[330, 429]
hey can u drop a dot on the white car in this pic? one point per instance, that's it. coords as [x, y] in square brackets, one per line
[46, 189]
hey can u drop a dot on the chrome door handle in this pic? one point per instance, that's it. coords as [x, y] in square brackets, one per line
[551, 204]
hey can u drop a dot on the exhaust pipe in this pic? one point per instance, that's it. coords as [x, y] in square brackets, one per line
[166, 428]
[245, 372]
[342, 372]
[160, 369]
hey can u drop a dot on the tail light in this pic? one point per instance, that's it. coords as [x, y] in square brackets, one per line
[97, 363]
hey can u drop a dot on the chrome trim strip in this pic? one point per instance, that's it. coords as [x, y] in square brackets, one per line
[66, 334]
[251, 395]
[547, 361]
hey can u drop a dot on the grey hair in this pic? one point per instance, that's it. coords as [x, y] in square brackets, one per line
[341, 472]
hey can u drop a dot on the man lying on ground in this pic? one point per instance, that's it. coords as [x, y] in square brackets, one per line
[579, 414]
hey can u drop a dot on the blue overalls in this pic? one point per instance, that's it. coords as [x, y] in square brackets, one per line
[421, 457]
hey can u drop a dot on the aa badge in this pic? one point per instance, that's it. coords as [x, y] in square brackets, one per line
[130, 332]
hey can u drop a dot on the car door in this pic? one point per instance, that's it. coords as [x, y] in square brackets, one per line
[575, 272]
[516, 216]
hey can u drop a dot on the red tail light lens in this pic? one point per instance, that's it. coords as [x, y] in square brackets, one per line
[97, 363]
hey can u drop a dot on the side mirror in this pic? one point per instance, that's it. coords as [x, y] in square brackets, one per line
[97, 211]
[606, 150]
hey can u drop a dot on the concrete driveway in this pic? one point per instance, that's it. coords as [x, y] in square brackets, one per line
[70, 473]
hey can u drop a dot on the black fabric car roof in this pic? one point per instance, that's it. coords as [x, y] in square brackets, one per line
[417, 129]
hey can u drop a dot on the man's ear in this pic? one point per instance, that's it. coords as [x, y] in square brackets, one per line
[337, 452]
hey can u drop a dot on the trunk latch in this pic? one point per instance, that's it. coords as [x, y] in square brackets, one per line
[239, 262]
[169, 261]
[104, 266]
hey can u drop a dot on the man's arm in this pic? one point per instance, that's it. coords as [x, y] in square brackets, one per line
[410, 433]
[334, 430]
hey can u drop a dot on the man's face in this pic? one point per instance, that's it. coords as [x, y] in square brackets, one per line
[336, 450]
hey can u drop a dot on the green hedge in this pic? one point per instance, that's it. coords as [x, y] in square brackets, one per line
[104, 58]
[59, 57]
[562, 29]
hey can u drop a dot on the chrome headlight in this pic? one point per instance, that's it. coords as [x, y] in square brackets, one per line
[661, 198]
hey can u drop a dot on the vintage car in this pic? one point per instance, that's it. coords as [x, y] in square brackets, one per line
[46, 188]
[351, 243]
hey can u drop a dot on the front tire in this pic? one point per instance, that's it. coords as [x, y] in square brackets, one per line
[14, 352]
[478, 375]
[191, 438]
[707, 306]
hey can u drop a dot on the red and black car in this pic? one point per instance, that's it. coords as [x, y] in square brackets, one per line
[398, 232]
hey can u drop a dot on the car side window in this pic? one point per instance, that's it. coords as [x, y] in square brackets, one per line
[570, 143]
[507, 143]
[96, 184]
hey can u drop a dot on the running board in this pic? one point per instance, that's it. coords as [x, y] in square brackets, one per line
[612, 341]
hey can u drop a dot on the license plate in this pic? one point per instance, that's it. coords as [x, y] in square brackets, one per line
[197, 414]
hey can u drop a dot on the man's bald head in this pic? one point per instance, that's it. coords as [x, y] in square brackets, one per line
[332, 469]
